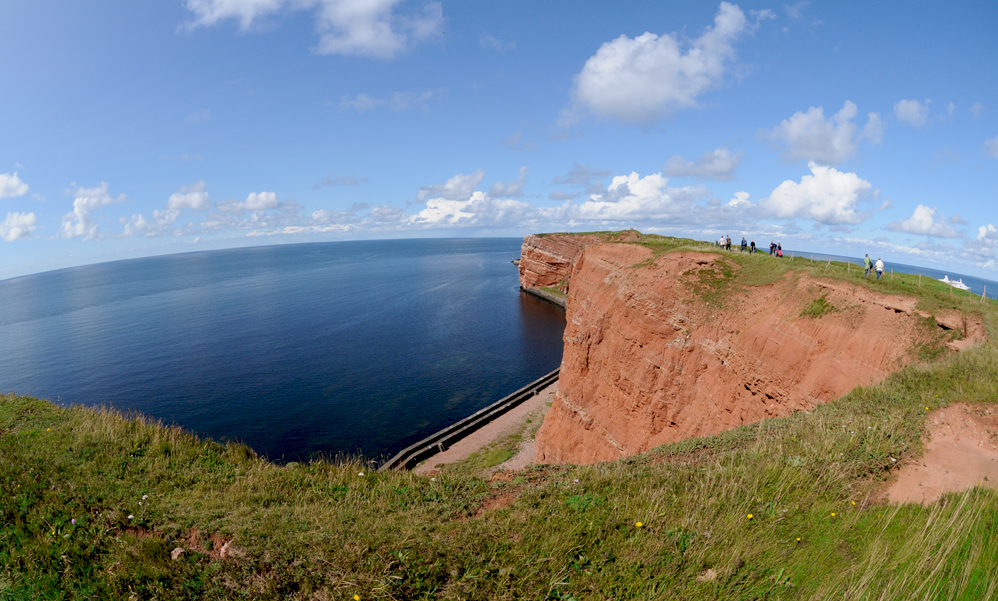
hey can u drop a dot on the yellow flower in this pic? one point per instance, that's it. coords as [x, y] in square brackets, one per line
[927, 407]
[356, 598]
[833, 514]
[854, 502]
[750, 516]
[798, 539]
[638, 524]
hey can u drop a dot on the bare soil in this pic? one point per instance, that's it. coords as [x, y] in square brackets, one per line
[961, 451]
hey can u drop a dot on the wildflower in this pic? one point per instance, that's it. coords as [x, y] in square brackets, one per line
[638, 524]
[833, 514]
[927, 407]
[750, 516]
[73, 521]
[433, 479]
[798, 539]
[854, 502]
[130, 516]
[356, 598]
[53, 533]
[360, 473]
[576, 480]
[144, 497]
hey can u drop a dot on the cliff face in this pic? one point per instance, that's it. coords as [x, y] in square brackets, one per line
[651, 357]
[546, 260]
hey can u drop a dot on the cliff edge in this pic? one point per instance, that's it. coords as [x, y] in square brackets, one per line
[659, 348]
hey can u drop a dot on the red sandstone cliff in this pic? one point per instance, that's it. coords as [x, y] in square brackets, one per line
[545, 260]
[649, 361]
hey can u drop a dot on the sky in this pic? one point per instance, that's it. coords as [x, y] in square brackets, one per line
[131, 129]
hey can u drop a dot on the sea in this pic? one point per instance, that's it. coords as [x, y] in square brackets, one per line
[322, 350]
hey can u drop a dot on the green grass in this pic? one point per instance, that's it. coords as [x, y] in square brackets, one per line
[92, 503]
[818, 307]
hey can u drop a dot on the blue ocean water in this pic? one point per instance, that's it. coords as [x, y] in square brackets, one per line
[299, 350]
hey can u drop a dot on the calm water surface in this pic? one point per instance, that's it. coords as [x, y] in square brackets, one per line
[345, 347]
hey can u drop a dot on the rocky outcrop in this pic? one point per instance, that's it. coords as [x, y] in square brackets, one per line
[546, 259]
[656, 350]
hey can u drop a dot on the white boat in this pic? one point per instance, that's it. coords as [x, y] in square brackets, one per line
[958, 284]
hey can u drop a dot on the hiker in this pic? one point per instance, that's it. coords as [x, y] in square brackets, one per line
[752, 248]
[867, 264]
[721, 242]
[772, 246]
[880, 268]
[744, 244]
[727, 244]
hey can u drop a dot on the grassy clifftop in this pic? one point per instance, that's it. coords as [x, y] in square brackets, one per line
[92, 504]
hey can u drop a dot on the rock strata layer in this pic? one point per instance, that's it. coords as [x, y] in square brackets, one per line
[654, 355]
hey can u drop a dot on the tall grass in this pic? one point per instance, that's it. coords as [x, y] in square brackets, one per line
[93, 502]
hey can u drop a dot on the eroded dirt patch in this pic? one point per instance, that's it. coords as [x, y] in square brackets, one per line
[961, 451]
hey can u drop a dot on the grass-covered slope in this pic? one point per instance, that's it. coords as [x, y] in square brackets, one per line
[92, 504]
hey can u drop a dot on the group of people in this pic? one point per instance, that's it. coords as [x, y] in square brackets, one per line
[869, 265]
[774, 248]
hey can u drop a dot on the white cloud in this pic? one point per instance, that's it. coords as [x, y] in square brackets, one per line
[372, 28]
[458, 187]
[260, 201]
[510, 189]
[982, 248]
[17, 226]
[581, 175]
[632, 197]
[80, 223]
[912, 112]
[643, 78]
[991, 147]
[923, 222]
[827, 196]
[478, 210]
[193, 197]
[717, 164]
[741, 199]
[830, 142]
[977, 109]
[11, 186]
[874, 129]
[397, 102]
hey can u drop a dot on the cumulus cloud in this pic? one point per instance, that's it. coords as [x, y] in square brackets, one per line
[632, 197]
[458, 187]
[643, 78]
[874, 129]
[982, 248]
[371, 28]
[397, 102]
[808, 135]
[513, 188]
[955, 219]
[193, 197]
[260, 201]
[17, 226]
[990, 147]
[912, 112]
[717, 164]
[924, 223]
[11, 186]
[827, 196]
[478, 210]
[81, 223]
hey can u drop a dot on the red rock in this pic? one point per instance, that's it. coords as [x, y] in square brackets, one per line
[648, 360]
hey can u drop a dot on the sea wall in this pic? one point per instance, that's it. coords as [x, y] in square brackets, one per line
[654, 354]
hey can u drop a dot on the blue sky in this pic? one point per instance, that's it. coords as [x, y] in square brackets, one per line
[136, 128]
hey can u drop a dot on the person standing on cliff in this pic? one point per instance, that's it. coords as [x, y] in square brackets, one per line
[867, 264]
[721, 241]
[727, 243]
[752, 248]
[880, 268]
[744, 244]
